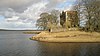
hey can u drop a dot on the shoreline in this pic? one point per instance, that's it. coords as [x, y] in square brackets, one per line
[69, 36]
[32, 32]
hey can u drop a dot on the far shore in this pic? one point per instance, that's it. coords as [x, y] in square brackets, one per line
[18, 30]
[32, 32]
[26, 31]
[69, 36]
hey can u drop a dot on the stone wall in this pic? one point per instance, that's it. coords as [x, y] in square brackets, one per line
[69, 19]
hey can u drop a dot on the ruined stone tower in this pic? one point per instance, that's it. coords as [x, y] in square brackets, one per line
[69, 19]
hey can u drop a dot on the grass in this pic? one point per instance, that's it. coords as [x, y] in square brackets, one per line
[69, 36]
[32, 32]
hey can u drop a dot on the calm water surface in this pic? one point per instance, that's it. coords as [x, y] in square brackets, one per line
[15, 43]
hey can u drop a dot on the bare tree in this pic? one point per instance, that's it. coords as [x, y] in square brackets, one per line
[47, 21]
[89, 10]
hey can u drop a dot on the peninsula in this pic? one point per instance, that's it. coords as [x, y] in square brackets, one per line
[69, 36]
[69, 28]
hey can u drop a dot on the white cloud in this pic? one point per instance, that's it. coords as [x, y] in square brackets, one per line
[26, 19]
[35, 10]
[13, 19]
[21, 5]
[16, 25]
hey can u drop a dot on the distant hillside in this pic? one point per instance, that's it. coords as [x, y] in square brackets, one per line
[2, 29]
[18, 30]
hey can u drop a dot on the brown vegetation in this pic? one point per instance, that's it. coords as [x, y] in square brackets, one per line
[69, 36]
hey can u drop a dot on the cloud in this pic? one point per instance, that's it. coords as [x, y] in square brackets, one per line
[24, 13]
[27, 19]
[17, 5]
[21, 5]
[8, 13]
[35, 10]
[15, 23]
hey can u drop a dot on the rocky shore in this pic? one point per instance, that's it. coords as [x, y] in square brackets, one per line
[69, 36]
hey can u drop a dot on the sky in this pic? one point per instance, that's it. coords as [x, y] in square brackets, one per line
[22, 14]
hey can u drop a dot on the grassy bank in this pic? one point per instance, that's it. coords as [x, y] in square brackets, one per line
[31, 32]
[69, 36]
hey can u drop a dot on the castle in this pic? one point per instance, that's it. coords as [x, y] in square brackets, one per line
[69, 19]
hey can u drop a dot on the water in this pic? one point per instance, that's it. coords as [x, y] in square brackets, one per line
[15, 43]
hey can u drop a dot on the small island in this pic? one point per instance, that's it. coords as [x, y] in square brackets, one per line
[69, 30]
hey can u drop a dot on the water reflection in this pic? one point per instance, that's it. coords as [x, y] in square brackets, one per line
[18, 44]
[69, 49]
